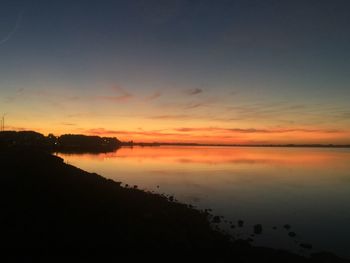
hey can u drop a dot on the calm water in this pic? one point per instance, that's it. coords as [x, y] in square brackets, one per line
[306, 188]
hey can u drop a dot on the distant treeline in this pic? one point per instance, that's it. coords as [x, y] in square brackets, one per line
[64, 143]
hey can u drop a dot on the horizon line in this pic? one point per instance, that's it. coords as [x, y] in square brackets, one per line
[155, 143]
[291, 145]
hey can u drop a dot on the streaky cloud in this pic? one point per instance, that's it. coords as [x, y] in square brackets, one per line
[102, 131]
[194, 91]
[122, 95]
[14, 29]
[171, 117]
[254, 130]
[154, 96]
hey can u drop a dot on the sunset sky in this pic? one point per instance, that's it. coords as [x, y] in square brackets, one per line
[248, 72]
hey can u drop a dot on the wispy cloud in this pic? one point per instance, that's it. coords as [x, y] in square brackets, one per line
[170, 117]
[195, 105]
[68, 124]
[14, 29]
[102, 132]
[15, 128]
[254, 130]
[159, 12]
[121, 95]
[153, 96]
[194, 91]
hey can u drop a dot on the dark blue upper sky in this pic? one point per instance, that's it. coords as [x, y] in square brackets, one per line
[212, 37]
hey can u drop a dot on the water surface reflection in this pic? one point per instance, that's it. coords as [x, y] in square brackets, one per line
[308, 188]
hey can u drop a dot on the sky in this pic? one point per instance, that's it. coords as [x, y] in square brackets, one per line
[225, 71]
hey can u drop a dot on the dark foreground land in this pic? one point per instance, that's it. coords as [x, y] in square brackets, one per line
[47, 205]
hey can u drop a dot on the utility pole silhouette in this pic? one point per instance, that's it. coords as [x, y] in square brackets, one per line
[2, 123]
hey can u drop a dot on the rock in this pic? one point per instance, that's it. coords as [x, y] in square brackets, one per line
[306, 246]
[292, 234]
[147, 216]
[216, 219]
[286, 226]
[258, 229]
[240, 223]
[324, 257]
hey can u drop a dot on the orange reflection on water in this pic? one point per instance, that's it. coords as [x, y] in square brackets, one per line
[228, 155]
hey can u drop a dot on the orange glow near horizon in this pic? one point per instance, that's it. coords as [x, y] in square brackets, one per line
[229, 136]
[214, 135]
[184, 120]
